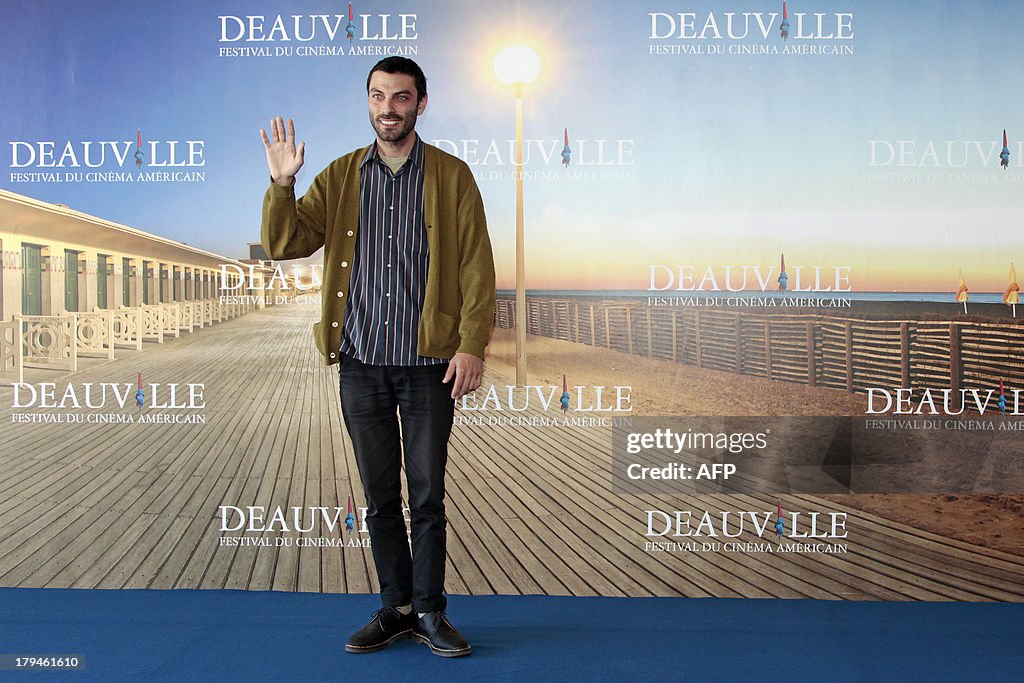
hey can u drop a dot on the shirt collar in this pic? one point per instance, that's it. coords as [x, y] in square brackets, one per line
[415, 156]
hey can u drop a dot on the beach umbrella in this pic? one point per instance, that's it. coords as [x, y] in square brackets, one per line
[1012, 294]
[784, 27]
[780, 526]
[565, 395]
[1004, 156]
[139, 156]
[566, 152]
[350, 518]
[783, 277]
[961, 291]
[350, 28]
[140, 395]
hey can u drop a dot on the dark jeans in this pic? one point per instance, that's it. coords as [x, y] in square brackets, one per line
[374, 399]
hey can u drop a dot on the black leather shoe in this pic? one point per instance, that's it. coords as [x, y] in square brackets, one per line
[386, 626]
[434, 629]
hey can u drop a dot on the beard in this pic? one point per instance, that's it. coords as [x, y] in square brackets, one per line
[395, 133]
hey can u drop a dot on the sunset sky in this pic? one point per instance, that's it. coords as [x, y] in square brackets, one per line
[728, 158]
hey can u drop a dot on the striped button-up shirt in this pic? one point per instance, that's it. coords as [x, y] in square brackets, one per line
[389, 269]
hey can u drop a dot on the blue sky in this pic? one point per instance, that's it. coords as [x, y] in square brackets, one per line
[735, 157]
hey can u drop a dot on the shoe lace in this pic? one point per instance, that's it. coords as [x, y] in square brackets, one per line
[390, 611]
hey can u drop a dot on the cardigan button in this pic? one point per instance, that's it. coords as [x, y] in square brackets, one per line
[344, 264]
[332, 355]
[334, 324]
[341, 293]
[350, 233]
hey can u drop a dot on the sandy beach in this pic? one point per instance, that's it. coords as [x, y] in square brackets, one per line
[663, 388]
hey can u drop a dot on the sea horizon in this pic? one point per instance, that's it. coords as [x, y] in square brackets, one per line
[926, 297]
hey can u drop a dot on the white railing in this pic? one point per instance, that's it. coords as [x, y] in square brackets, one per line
[56, 341]
[152, 323]
[186, 314]
[197, 314]
[49, 341]
[127, 327]
[12, 367]
[94, 333]
[172, 317]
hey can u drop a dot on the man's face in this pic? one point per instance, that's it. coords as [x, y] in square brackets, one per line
[393, 105]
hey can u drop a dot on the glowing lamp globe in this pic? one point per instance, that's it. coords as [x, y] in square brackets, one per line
[518, 64]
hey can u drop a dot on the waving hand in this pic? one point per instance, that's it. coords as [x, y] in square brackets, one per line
[284, 159]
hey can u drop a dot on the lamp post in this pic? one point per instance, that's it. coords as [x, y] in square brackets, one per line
[518, 66]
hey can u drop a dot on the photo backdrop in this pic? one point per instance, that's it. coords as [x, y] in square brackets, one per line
[772, 339]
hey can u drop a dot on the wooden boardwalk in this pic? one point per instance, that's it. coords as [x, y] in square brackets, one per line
[530, 508]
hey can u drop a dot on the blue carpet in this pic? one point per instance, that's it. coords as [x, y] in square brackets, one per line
[237, 635]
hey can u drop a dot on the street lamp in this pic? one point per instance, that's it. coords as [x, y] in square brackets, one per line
[518, 66]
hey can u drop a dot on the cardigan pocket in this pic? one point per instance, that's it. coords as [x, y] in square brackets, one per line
[320, 338]
[442, 329]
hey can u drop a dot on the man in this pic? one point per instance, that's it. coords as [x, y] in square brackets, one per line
[408, 298]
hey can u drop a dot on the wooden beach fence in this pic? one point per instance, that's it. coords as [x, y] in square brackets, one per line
[57, 341]
[827, 351]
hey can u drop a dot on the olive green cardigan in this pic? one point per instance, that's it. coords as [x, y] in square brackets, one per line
[458, 305]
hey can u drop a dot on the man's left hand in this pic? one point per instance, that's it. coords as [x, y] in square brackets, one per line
[468, 371]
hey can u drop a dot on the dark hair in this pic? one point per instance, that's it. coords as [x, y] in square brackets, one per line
[401, 65]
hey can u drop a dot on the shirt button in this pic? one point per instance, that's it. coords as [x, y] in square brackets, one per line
[341, 294]
[385, 322]
[388, 294]
[334, 324]
[390, 236]
[391, 208]
[344, 264]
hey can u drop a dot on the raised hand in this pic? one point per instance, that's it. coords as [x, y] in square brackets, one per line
[284, 159]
